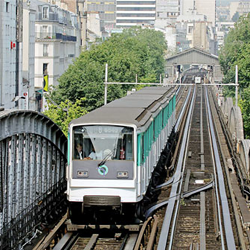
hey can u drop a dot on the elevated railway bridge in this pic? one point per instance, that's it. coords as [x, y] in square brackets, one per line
[202, 204]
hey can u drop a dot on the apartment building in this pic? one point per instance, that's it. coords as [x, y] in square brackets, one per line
[28, 58]
[135, 12]
[57, 42]
[203, 7]
[70, 5]
[244, 7]
[10, 54]
[208, 8]
[167, 12]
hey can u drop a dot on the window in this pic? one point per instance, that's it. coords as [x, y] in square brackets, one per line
[7, 6]
[45, 12]
[44, 29]
[45, 69]
[45, 50]
[103, 142]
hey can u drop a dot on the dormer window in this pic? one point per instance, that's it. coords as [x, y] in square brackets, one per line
[45, 12]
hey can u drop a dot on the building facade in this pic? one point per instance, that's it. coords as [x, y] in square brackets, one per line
[28, 70]
[203, 7]
[208, 8]
[57, 43]
[244, 7]
[106, 10]
[11, 54]
[187, 6]
[135, 12]
[166, 12]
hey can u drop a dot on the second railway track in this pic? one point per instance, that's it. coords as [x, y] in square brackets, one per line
[196, 222]
[197, 214]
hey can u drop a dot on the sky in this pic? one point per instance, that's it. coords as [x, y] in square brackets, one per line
[225, 1]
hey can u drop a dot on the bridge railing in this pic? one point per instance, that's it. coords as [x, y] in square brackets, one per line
[32, 174]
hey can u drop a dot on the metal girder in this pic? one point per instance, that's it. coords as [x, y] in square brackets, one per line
[32, 173]
[25, 121]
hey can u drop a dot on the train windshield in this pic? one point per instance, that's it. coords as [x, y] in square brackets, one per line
[103, 142]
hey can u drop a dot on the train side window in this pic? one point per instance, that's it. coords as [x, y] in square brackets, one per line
[143, 149]
[154, 130]
[162, 121]
[129, 147]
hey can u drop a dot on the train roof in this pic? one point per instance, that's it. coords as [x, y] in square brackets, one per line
[136, 108]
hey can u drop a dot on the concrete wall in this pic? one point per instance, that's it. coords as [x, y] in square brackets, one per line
[234, 122]
[208, 8]
[200, 37]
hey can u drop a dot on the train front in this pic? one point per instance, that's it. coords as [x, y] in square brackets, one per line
[101, 172]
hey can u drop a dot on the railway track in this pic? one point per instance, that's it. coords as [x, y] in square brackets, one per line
[191, 212]
[95, 241]
[102, 237]
[196, 225]
[197, 215]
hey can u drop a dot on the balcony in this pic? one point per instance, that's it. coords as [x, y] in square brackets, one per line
[53, 17]
[55, 36]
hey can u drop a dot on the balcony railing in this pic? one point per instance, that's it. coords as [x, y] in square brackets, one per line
[54, 17]
[50, 17]
[57, 36]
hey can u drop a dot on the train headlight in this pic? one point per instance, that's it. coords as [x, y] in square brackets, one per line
[83, 174]
[122, 174]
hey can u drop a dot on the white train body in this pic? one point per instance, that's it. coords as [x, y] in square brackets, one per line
[128, 136]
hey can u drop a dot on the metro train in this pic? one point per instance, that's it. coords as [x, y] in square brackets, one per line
[114, 150]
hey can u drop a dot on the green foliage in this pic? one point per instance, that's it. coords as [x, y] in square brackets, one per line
[136, 51]
[64, 113]
[244, 104]
[236, 52]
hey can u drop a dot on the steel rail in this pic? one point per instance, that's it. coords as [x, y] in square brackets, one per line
[177, 124]
[191, 109]
[205, 187]
[202, 195]
[51, 235]
[177, 176]
[221, 185]
[67, 241]
[233, 187]
[124, 242]
[153, 233]
[130, 244]
[217, 193]
[178, 90]
[92, 242]
[141, 234]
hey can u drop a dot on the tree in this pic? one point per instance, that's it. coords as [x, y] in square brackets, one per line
[236, 52]
[244, 104]
[136, 51]
[64, 113]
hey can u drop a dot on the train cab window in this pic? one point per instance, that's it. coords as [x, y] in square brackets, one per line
[101, 142]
